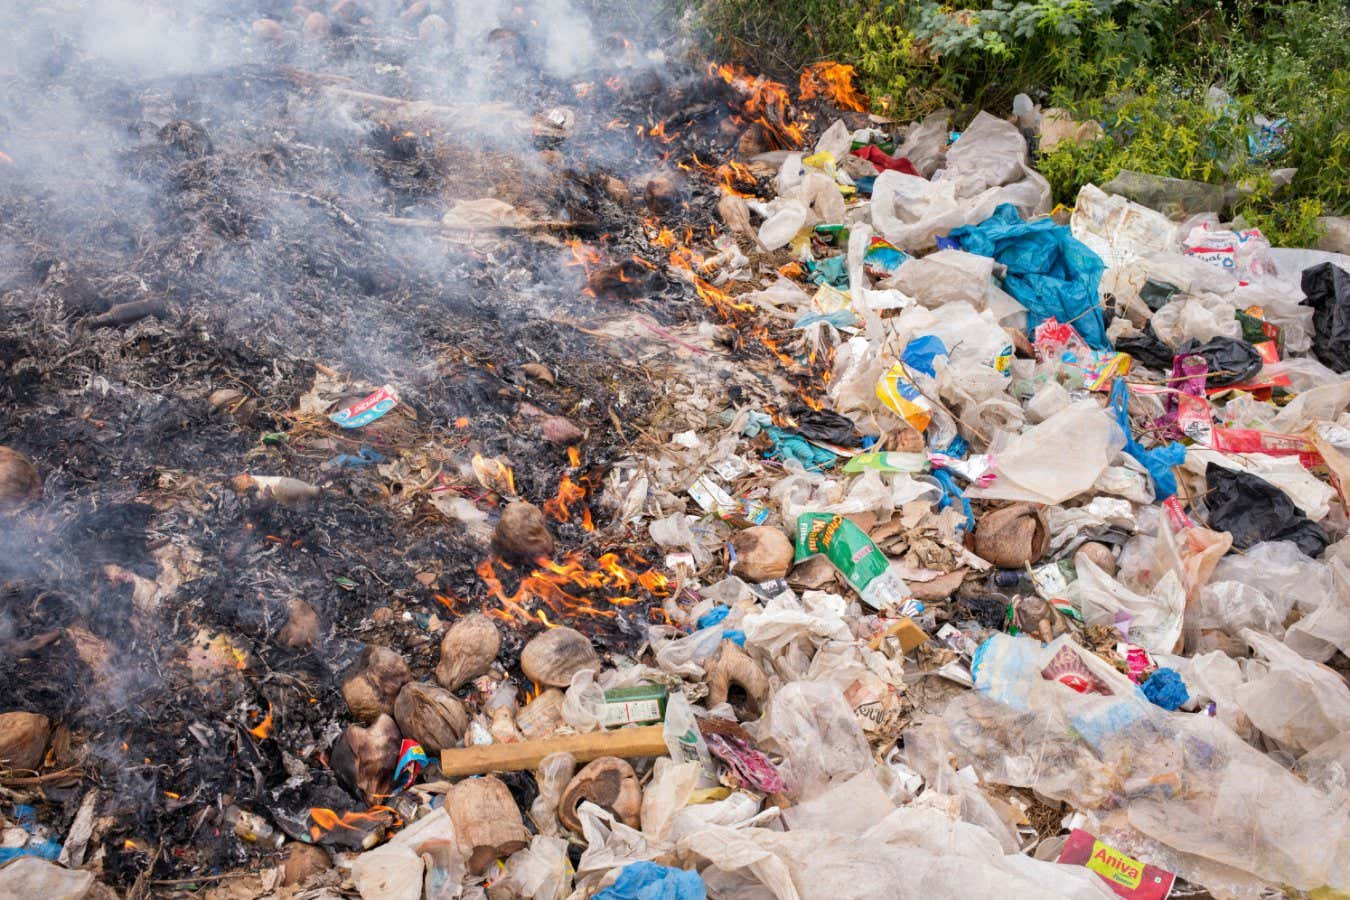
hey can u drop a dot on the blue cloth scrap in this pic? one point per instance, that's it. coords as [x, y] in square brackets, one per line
[1166, 689]
[366, 456]
[793, 446]
[650, 881]
[922, 352]
[1050, 272]
[1158, 461]
[832, 271]
[735, 635]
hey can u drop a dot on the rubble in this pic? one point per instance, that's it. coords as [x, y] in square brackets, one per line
[491, 458]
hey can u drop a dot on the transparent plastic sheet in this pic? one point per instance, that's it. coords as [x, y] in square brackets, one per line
[1326, 629]
[948, 276]
[1297, 702]
[1153, 621]
[686, 655]
[1231, 606]
[552, 775]
[1199, 317]
[913, 852]
[1214, 677]
[1317, 404]
[1279, 569]
[610, 845]
[1183, 780]
[835, 140]
[1033, 467]
[813, 727]
[584, 703]
[1191, 554]
[541, 871]
[784, 299]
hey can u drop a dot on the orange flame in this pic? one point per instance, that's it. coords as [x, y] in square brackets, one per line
[569, 492]
[736, 178]
[263, 728]
[494, 475]
[833, 81]
[326, 820]
[563, 588]
[764, 101]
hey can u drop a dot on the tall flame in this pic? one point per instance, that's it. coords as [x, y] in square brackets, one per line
[765, 102]
[834, 82]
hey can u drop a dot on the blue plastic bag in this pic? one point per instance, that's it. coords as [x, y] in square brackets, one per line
[1050, 272]
[649, 881]
[922, 352]
[1160, 460]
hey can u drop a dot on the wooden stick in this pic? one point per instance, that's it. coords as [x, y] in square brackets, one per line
[539, 225]
[523, 755]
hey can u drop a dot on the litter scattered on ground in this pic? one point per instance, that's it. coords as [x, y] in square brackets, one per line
[960, 549]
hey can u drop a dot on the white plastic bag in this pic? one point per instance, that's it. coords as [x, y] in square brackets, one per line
[1035, 468]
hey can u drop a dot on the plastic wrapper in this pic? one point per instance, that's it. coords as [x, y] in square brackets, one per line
[1216, 807]
[1232, 606]
[1033, 469]
[667, 793]
[784, 220]
[1297, 702]
[1118, 230]
[1279, 570]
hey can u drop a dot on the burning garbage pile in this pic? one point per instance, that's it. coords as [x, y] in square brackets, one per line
[459, 452]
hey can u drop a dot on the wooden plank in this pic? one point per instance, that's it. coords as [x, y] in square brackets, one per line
[522, 755]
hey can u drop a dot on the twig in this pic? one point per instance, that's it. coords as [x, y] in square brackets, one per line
[332, 208]
[171, 881]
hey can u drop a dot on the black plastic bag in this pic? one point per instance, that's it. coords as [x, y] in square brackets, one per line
[1253, 510]
[823, 425]
[1230, 361]
[1147, 350]
[1326, 289]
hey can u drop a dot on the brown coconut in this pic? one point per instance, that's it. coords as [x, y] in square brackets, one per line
[19, 480]
[522, 532]
[467, 650]
[430, 715]
[364, 759]
[608, 782]
[1012, 537]
[23, 740]
[374, 682]
[763, 553]
[552, 657]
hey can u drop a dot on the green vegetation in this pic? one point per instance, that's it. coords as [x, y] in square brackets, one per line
[1144, 69]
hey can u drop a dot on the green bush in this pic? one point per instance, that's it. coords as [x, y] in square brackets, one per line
[1143, 68]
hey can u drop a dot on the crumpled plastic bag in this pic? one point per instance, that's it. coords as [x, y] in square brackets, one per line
[926, 143]
[950, 275]
[541, 871]
[1326, 629]
[650, 881]
[1153, 621]
[1327, 291]
[1049, 271]
[1280, 570]
[1299, 703]
[812, 726]
[914, 852]
[584, 703]
[1252, 510]
[1033, 467]
[1185, 781]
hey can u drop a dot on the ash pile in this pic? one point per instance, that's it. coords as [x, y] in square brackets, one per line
[489, 452]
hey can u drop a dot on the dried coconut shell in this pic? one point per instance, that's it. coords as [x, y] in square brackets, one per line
[430, 715]
[732, 666]
[608, 782]
[23, 740]
[763, 553]
[552, 657]
[522, 532]
[467, 650]
[373, 684]
[1013, 537]
[364, 759]
[19, 480]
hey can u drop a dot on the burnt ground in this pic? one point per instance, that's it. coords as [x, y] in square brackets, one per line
[245, 207]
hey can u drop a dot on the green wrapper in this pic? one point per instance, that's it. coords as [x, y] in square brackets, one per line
[844, 544]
